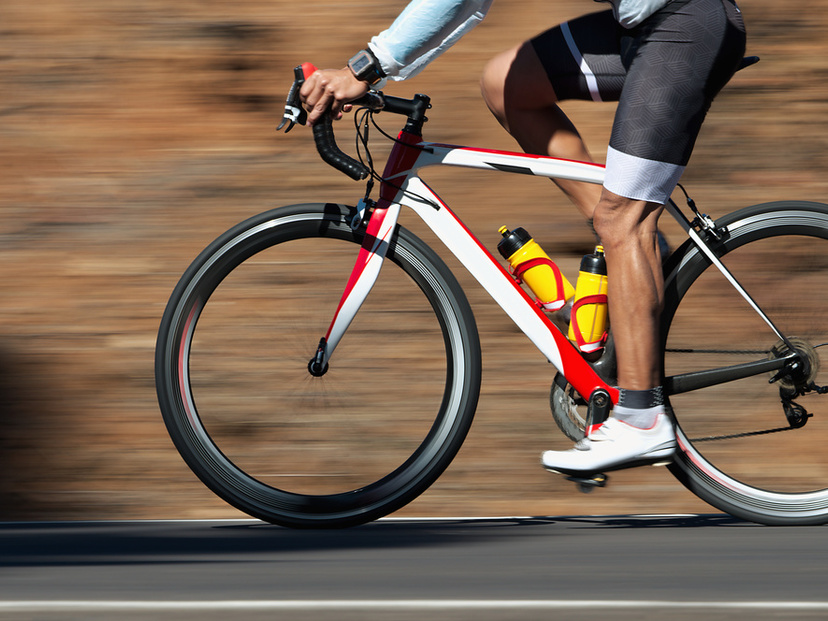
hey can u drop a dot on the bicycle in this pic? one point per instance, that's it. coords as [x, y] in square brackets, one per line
[351, 388]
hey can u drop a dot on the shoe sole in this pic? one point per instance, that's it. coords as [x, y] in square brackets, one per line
[657, 457]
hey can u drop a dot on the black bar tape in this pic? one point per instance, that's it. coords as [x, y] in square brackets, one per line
[323, 135]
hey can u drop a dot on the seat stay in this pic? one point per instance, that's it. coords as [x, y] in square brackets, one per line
[703, 247]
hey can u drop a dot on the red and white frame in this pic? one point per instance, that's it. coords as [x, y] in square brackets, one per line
[402, 187]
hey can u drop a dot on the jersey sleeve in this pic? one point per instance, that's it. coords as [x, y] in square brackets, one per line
[423, 31]
[630, 13]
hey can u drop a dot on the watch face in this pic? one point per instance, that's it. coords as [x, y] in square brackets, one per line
[360, 63]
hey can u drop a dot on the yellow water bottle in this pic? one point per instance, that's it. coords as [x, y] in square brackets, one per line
[588, 325]
[531, 265]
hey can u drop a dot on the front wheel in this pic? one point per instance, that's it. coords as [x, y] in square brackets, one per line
[270, 438]
[744, 447]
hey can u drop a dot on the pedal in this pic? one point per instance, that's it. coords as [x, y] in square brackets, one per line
[587, 484]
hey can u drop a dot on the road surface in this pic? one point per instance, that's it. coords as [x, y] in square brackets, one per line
[578, 568]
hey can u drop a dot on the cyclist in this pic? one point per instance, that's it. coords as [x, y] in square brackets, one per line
[663, 61]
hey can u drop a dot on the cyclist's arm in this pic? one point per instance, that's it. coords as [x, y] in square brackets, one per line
[423, 31]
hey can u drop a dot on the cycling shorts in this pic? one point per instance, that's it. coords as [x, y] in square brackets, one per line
[664, 74]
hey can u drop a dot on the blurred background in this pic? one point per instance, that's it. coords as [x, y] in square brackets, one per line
[133, 133]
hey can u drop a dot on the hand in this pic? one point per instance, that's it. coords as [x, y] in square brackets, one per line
[330, 89]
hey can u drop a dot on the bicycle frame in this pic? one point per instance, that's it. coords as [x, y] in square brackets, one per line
[402, 187]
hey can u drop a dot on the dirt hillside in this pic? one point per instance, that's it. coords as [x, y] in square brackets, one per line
[133, 133]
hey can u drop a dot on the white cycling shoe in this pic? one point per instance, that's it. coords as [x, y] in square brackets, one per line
[615, 445]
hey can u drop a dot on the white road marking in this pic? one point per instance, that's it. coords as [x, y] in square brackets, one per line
[356, 605]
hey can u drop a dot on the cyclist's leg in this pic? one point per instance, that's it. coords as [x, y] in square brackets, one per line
[582, 59]
[523, 86]
[628, 230]
[677, 61]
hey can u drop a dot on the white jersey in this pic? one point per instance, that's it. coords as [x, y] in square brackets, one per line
[630, 13]
[427, 28]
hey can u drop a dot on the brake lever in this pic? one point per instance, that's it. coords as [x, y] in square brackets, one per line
[294, 113]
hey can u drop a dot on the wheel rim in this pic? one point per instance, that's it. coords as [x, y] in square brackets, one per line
[408, 445]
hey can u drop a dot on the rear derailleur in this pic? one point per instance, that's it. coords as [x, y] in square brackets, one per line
[797, 415]
[796, 379]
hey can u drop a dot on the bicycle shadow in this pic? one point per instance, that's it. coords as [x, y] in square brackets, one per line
[41, 544]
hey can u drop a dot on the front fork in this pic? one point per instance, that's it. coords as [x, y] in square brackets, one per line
[378, 236]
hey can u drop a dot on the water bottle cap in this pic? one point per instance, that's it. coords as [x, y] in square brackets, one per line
[595, 263]
[512, 241]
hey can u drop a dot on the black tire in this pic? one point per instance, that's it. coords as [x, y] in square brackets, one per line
[779, 253]
[281, 445]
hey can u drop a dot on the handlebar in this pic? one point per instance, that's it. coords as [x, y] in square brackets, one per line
[323, 133]
[330, 153]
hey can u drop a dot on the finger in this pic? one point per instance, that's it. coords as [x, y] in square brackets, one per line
[308, 87]
[321, 100]
[316, 112]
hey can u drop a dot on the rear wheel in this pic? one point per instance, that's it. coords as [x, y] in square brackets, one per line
[754, 448]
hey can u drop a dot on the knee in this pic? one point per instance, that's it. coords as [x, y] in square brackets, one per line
[608, 226]
[618, 221]
[492, 83]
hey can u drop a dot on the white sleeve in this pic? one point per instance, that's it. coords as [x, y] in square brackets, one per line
[630, 13]
[423, 31]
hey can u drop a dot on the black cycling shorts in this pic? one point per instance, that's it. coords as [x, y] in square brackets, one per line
[664, 74]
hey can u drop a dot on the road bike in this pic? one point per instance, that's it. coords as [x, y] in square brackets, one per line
[318, 365]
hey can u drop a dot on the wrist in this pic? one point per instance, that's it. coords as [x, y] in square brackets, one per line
[365, 67]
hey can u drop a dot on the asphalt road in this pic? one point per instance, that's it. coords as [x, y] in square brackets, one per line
[623, 567]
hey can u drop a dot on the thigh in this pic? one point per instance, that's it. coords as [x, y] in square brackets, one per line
[677, 62]
[515, 79]
[582, 57]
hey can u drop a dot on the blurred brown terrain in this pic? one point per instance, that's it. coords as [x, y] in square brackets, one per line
[133, 133]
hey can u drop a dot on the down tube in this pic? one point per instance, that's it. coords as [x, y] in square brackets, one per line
[505, 291]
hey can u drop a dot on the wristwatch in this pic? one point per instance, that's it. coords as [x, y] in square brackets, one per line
[365, 66]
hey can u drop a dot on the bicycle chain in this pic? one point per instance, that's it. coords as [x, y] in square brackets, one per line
[741, 352]
[746, 434]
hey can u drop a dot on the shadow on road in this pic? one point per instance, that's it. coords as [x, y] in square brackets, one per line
[127, 543]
